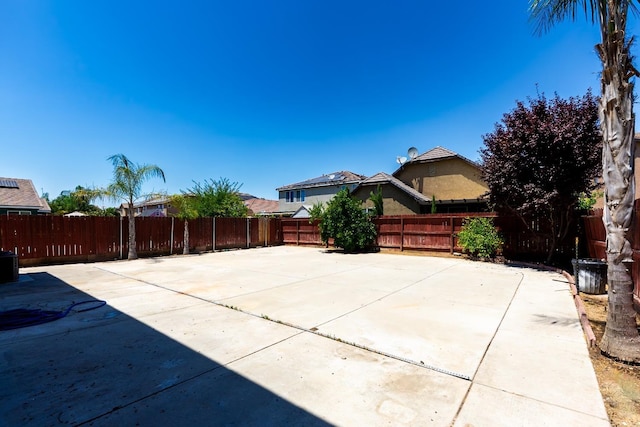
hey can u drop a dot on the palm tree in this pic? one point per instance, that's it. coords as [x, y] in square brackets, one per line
[617, 122]
[128, 178]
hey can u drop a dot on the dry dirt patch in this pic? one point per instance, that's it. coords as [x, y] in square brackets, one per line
[619, 383]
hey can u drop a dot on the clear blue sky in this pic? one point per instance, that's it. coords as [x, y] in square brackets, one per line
[265, 93]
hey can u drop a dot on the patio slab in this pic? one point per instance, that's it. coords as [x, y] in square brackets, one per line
[292, 335]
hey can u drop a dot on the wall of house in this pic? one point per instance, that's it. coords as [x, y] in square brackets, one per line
[18, 211]
[445, 179]
[312, 196]
[395, 201]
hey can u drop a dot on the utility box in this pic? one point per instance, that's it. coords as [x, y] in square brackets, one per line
[8, 267]
[591, 275]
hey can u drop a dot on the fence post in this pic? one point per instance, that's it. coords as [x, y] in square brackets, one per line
[171, 237]
[248, 233]
[297, 232]
[453, 239]
[213, 244]
[121, 219]
[401, 234]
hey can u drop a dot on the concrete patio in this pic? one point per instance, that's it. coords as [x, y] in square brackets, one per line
[297, 336]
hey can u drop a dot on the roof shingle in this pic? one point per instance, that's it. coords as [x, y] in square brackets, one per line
[23, 195]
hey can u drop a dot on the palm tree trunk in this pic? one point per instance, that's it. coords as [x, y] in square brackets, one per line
[185, 250]
[621, 340]
[133, 254]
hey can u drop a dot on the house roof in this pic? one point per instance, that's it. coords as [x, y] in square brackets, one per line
[258, 206]
[330, 179]
[385, 178]
[16, 193]
[434, 155]
[303, 211]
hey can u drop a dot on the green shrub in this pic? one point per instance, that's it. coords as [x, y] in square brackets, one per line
[350, 227]
[479, 237]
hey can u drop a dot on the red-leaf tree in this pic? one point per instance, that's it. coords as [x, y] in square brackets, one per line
[540, 158]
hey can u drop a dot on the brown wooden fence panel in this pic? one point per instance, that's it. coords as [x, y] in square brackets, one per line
[596, 236]
[298, 231]
[274, 237]
[53, 239]
[429, 232]
[153, 236]
[254, 232]
[231, 233]
[200, 234]
[389, 231]
[106, 237]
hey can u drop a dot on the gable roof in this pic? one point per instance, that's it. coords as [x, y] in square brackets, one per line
[330, 179]
[434, 155]
[384, 178]
[303, 211]
[261, 206]
[16, 193]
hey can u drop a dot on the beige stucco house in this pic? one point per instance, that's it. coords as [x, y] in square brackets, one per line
[440, 176]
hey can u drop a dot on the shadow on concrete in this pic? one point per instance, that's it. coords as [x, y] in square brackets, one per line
[103, 367]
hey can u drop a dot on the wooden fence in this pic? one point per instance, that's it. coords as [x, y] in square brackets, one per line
[596, 236]
[438, 233]
[55, 239]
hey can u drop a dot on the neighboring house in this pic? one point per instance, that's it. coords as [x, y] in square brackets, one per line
[321, 189]
[398, 197]
[159, 207]
[452, 180]
[261, 207]
[19, 197]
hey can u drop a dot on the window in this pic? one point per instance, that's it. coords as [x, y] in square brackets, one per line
[294, 196]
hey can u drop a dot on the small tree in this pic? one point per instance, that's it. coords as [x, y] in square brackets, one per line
[217, 199]
[185, 205]
[540, 158]
[79, 200]
[345, 221]
[316, 212]
[479, 237]
[378, 201]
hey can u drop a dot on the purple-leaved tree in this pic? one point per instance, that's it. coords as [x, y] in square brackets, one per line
[540, 158]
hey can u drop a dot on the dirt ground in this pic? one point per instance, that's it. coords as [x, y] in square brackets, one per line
[619, 383]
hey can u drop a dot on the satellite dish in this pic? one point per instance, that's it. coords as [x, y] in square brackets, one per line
[412, 153]
[401, 160]
[332, 176]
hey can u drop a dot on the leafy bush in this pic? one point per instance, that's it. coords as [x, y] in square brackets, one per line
[344, 220]
[586, 202]
[480, 237]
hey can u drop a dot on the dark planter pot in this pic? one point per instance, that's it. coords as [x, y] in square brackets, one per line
[591, 275]
[8, 267]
